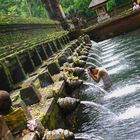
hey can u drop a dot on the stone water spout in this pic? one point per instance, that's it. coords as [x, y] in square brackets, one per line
[59, 134]
[68, 104]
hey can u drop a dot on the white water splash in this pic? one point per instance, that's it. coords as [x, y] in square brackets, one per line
[101, 107]
[91, 84]
[91, 58]
[85, 136]
[94, 55]
[111, 64]
[123, 91]
[107, 56]
[112, 58]
[132, 112]
[107, 52]
[117, 69]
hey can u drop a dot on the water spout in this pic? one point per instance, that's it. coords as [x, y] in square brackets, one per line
[96, 86]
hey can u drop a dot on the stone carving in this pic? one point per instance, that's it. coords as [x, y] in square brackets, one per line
[58, 134]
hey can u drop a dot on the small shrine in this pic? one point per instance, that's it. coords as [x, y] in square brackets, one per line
[100, 7]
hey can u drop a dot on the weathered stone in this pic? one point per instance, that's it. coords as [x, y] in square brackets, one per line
[20, 103]
[68, 51]
[77, 43]
[5, 133]
[36, 126]
[87, 39]
[45, 79]
[30, 136]
[48, 49]
[72, 85]
[83, 57]
[26, 62]
[81, 63]
[53, 46]
[30, 95]
[74, 45]
[5, 102]
[58, 44]
[68, 104]
[58, 134]
[6, 83]
[42, 52]
[77, 71]
[72, 48]
[62, 59]
[70, 60]
[53, 68]
[16, 71]
[35, 57]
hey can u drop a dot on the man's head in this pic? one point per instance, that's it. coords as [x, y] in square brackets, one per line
[93, 69]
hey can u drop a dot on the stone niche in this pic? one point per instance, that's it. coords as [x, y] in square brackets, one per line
[5, 83]
[62, 41]
[53, 46]
[58, 44]
[15, 68]
[42, 52]
[35, 57]
[53, 68]
[26, 62]
[48, 49]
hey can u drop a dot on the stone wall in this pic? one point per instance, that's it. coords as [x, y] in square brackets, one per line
[114, 26]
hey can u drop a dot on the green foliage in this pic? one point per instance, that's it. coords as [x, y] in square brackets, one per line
[110, 4]
[33, 8]
[81, 6]
[121, 1]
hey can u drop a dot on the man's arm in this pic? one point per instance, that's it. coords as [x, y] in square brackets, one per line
[96, 78]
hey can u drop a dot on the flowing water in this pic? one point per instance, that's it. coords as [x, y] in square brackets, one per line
[112, 114]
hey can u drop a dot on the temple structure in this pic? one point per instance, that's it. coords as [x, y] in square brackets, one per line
[100, 7]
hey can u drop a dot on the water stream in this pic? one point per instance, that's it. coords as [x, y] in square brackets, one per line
[112, 114]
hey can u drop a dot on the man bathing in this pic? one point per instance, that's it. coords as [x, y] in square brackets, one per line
[98, 73]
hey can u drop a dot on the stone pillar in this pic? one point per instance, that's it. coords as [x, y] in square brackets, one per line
[55, 12]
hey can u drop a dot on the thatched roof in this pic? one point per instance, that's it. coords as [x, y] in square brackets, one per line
[95, 3]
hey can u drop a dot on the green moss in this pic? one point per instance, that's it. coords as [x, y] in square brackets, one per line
[8, 19]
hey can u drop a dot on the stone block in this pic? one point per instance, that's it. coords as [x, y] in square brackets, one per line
[15, 68]
[5, 133]
[30, 95]
[68, 51]
[20, 103]
[53, 68]
[45, 79]
[62, 59]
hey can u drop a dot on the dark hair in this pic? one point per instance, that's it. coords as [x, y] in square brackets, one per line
[91, 67]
